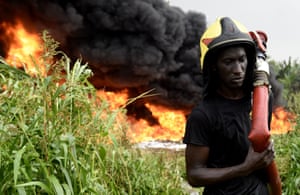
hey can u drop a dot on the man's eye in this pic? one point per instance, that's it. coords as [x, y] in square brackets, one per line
[242, 59]
[227, 62]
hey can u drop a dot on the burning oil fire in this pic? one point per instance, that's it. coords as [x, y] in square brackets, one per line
[282, 121]
[171, 126]
[171, 122]
[24, 47]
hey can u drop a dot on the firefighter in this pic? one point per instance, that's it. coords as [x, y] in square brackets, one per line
[219, 155]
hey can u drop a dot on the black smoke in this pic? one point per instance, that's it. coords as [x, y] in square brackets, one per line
[135, 44]
[140, 45]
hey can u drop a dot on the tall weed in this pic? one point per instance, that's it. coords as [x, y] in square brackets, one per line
[58, 137]
[288, 155]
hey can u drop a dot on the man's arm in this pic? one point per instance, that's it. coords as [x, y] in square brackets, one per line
[199, 175]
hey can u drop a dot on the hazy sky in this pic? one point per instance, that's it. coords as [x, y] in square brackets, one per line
[280, 19]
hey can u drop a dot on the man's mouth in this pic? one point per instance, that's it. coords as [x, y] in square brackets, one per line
[237, 79]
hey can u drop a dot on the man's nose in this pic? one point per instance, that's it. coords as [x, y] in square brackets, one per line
[238, 67]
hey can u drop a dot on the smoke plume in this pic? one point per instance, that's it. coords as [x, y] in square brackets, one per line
[135, 44]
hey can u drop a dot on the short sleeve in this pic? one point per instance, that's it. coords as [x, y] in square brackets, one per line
[198, 128]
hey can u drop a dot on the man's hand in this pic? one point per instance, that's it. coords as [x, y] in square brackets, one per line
[255, 160]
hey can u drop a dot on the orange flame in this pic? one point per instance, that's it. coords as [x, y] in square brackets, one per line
[170, 128]
[171, 122]
[24, 47]
[116, 99]
[282, 121]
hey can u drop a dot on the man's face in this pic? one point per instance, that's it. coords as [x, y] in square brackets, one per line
[231, 67]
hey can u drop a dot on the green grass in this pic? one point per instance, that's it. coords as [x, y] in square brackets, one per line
[287, 158]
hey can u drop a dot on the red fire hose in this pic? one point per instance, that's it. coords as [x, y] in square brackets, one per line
[260, 135]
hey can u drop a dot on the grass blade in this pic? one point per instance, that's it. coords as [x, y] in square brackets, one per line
[57, 186]
[17, 163]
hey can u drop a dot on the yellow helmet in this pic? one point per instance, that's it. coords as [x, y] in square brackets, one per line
[224, 32]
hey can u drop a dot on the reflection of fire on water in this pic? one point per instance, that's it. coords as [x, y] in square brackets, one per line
[170, 126]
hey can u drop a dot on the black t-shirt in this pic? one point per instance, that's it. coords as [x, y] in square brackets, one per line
[223, 125]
